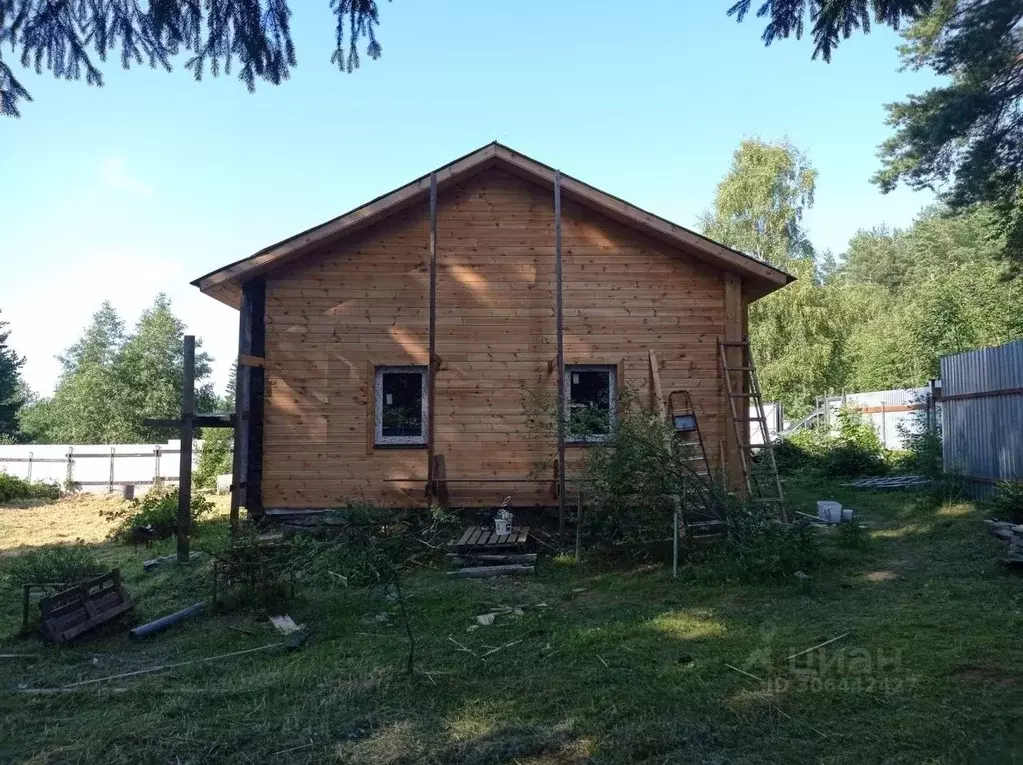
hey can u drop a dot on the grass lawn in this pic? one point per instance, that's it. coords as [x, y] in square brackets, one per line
[605, 665]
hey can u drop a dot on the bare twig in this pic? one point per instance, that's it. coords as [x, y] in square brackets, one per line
[743, 672]
[602, 661]
[819, 645]
[293, 749]
[461, 647]
[165, 667]
[500, 647]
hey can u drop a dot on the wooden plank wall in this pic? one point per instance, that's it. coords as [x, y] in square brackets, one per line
[365, 302]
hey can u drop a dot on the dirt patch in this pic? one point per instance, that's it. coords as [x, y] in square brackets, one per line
[986, 675]
[876, 577]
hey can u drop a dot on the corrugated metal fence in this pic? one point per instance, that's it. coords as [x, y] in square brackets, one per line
[982, 414]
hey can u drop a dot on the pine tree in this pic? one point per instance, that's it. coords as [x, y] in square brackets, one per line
[70, 39]
[12, 395]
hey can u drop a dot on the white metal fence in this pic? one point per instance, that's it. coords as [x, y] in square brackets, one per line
[892, 413]
[96, 467]
[982, 414]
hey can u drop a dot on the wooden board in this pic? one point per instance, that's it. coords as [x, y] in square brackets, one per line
[484, 537]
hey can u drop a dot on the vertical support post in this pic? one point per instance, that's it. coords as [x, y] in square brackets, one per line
[30, 467]
[69, 478]
[187, 429]
[236, 473]
[431, 374]
[674, 536]
[884, 426]
[735, 466]
[559, 318]
[110, 481]
[248, 463]
[156, 465]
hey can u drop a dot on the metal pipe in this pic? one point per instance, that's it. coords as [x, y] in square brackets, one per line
[159, 625]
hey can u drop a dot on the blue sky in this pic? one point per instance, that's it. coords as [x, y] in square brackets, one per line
[141, 186]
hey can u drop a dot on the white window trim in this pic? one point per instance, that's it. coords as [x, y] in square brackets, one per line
[612, 371]
[379, 439]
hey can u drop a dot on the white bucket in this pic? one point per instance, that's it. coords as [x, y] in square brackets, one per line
[829, 511]
[502, 526]
[847, 513]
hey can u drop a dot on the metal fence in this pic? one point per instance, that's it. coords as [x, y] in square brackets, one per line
[982, 421]
[95, 467]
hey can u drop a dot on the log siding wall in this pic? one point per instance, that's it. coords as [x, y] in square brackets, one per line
[336, 314]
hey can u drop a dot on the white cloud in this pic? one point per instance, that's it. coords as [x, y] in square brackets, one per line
[116, 176]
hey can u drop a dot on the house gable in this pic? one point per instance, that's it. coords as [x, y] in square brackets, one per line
[224, 283]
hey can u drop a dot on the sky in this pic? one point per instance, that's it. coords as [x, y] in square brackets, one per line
[139, 187]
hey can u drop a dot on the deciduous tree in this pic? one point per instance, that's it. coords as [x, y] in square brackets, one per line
[796, 333]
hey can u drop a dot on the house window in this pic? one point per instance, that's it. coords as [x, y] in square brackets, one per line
[590, 393]
[401, 403]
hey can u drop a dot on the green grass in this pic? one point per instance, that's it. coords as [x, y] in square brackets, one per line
[619, 665]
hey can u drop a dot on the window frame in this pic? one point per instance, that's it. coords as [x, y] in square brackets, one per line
[380, 441]
[612, 370]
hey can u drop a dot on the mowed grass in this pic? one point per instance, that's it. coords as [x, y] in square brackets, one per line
[606, 664]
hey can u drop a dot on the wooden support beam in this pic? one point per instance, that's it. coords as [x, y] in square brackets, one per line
[185, 467]
[431, 374]
[560, 358]
[248, 468]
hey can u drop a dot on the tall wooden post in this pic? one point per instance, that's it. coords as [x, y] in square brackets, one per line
[560, 361]
[236, 464]
[187, 431]
[432, 371]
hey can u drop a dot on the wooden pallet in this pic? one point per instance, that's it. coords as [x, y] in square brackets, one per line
[80, 609]
[484, 537]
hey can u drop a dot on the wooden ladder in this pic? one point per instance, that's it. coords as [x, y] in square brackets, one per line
[680, 410]
[682, 416]
[762, 481]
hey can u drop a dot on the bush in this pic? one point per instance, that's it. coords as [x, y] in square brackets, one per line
[1006, 502]
[921, 436]
[631, 478]
[215, 457]
[156, 509]
[12, 487]
[759, 547]
[854, 450]
[54, 564]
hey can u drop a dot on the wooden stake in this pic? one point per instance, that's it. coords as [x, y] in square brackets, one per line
[187, 431]
[560, 329]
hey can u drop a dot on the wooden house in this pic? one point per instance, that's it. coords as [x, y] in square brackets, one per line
[405, 341]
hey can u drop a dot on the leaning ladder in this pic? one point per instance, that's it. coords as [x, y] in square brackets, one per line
[762, 482]
[688, 435]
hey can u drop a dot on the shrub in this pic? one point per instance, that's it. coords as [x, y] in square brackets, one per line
[12, 487]
[921, 436]
[631, 478]
[759, 547]
[215, 457]
[158, 509]
[1006, 502]
[54, 564]
[853, 450]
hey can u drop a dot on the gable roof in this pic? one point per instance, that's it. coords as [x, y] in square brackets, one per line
[224, 283]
